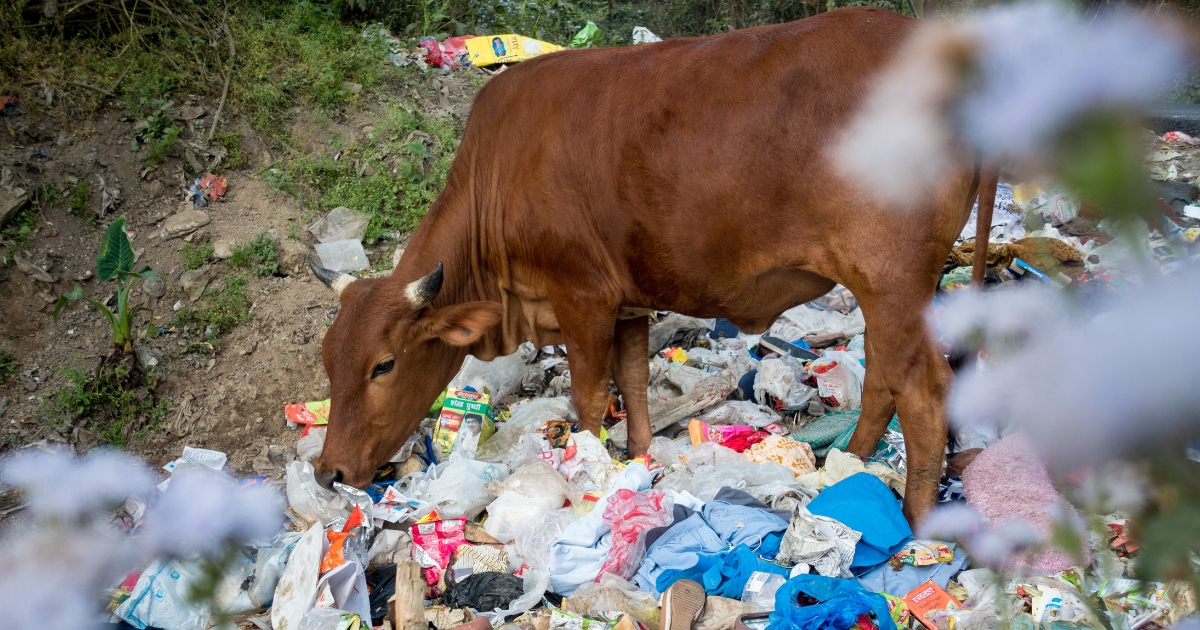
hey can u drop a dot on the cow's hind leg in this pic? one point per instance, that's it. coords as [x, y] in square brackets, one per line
[631, 372]
[589, 341]
[918, 376]
[878, 407]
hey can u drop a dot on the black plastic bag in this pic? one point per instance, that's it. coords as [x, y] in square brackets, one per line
[484, 592]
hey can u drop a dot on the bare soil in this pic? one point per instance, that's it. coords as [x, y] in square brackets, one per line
[231, 400]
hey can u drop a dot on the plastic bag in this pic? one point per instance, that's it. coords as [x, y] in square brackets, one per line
[685, 377]
[758, 480]
[311, 500]
[712, 454]
[483, 591]
[297, 588]
[161, 596]
[458, 489]
[309, 447]
[663, 451]
[536, 583]
[802, 321]
[390, 546]
[781, 379]
[329, 619]
[590, 469]
[735, 412]
[662, 332]
[609, 597]
[532, 491]
[629, 515]
[434, 544]
[839, 379]
[525, 419]
[797, 456]
[500, 376]
[530, 549]
[760, 589]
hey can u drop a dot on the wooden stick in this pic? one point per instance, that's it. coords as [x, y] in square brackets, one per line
[224, 91]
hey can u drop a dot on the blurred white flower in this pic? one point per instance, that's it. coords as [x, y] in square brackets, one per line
[1002, 321]
[1005, 81]
[1082, 394]
[954, 521]
[1042, 65]
[996, 546]
[203, 510]
[53, 579]
[58, 484]
[1114, 487]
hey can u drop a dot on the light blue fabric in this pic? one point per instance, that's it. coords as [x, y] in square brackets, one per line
[580, 551]
[885, 579]
[863, 503]
[680, 548]
[739, 524]
[841, 602]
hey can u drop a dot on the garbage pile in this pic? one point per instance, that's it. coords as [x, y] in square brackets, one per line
[747, 511]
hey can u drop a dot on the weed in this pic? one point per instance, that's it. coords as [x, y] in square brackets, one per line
[293, 232]
[259, 255]
[159, 149]
[8, 366]
[50, 192]
[232, 141]
[225, 310]
[105, 400]
[79, 195]
[20, 227]
[194, 256]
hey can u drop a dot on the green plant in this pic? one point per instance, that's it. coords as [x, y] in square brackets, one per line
[107, 400]
[194, 256]
[158, 149]
[79, 195]
[232, 141]
[8, 366]
[114, 262]
[20, 227]
[50, 192]
[226, 309]
[156, 121]
[259, 255]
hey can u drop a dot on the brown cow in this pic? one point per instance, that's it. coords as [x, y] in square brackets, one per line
[691, 175]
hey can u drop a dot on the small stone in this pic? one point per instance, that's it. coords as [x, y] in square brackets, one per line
[223, 248]
[354, 88]
[193, 282]
[154, 287]
[293, 256]
[184, 222]
[146, 357]
[30, 386]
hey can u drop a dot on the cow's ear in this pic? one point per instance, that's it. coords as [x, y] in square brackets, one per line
[463, 324]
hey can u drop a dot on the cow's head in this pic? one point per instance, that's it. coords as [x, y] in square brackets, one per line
[388, 355]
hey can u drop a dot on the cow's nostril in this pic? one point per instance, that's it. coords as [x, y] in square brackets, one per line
[328, 478]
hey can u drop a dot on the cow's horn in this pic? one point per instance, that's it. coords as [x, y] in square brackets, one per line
[335, 280]
[423, 291]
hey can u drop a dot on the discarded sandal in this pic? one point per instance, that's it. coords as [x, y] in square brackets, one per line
[682, 604]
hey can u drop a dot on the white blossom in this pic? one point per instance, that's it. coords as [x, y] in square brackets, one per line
[203, 510]
[58, 484]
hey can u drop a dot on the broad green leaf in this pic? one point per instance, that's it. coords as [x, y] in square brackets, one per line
[116, 252]
[75, 294]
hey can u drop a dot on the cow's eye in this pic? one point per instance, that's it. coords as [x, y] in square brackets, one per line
[383, 368]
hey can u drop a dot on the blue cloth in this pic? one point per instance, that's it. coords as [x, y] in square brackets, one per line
[728, 578]
[681, 547]
[863, 503]
[885, 579]
[841, 602]
[740, 524]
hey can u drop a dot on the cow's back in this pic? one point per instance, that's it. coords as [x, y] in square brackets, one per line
[682, 175]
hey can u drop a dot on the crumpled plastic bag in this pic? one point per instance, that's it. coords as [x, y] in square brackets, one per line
[530, 548]
[840, 603]
[434, 544]
[457, 488]
[535, 584]
[796, 456]
[839, 379]
[162, 595]
[781, 379]
[611, 594]
[664, 451]
[802, 321]
[590, 469]
[839, 465]
[309, 447]
[527, 495]
[501, 375]
[818, 543]
[662, 332]
[740, 412]
[630, 515]
[311, 500]
[390, 546]
[297, 588]
[758, 480]
[483, 591]
[328, 619]
[524, 419]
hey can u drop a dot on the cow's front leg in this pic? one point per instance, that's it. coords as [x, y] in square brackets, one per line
[589, 340]
[631, 372]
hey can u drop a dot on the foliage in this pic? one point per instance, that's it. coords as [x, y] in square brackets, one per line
[194, 256]
[106, 399]
[259, 255]
[79, 195]
[21, 226]
[8, 366]
[50, 192]
[226, 309]
[232, 141]
[115, 261]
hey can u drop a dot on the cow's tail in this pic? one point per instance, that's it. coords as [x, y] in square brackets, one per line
[989, 177]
